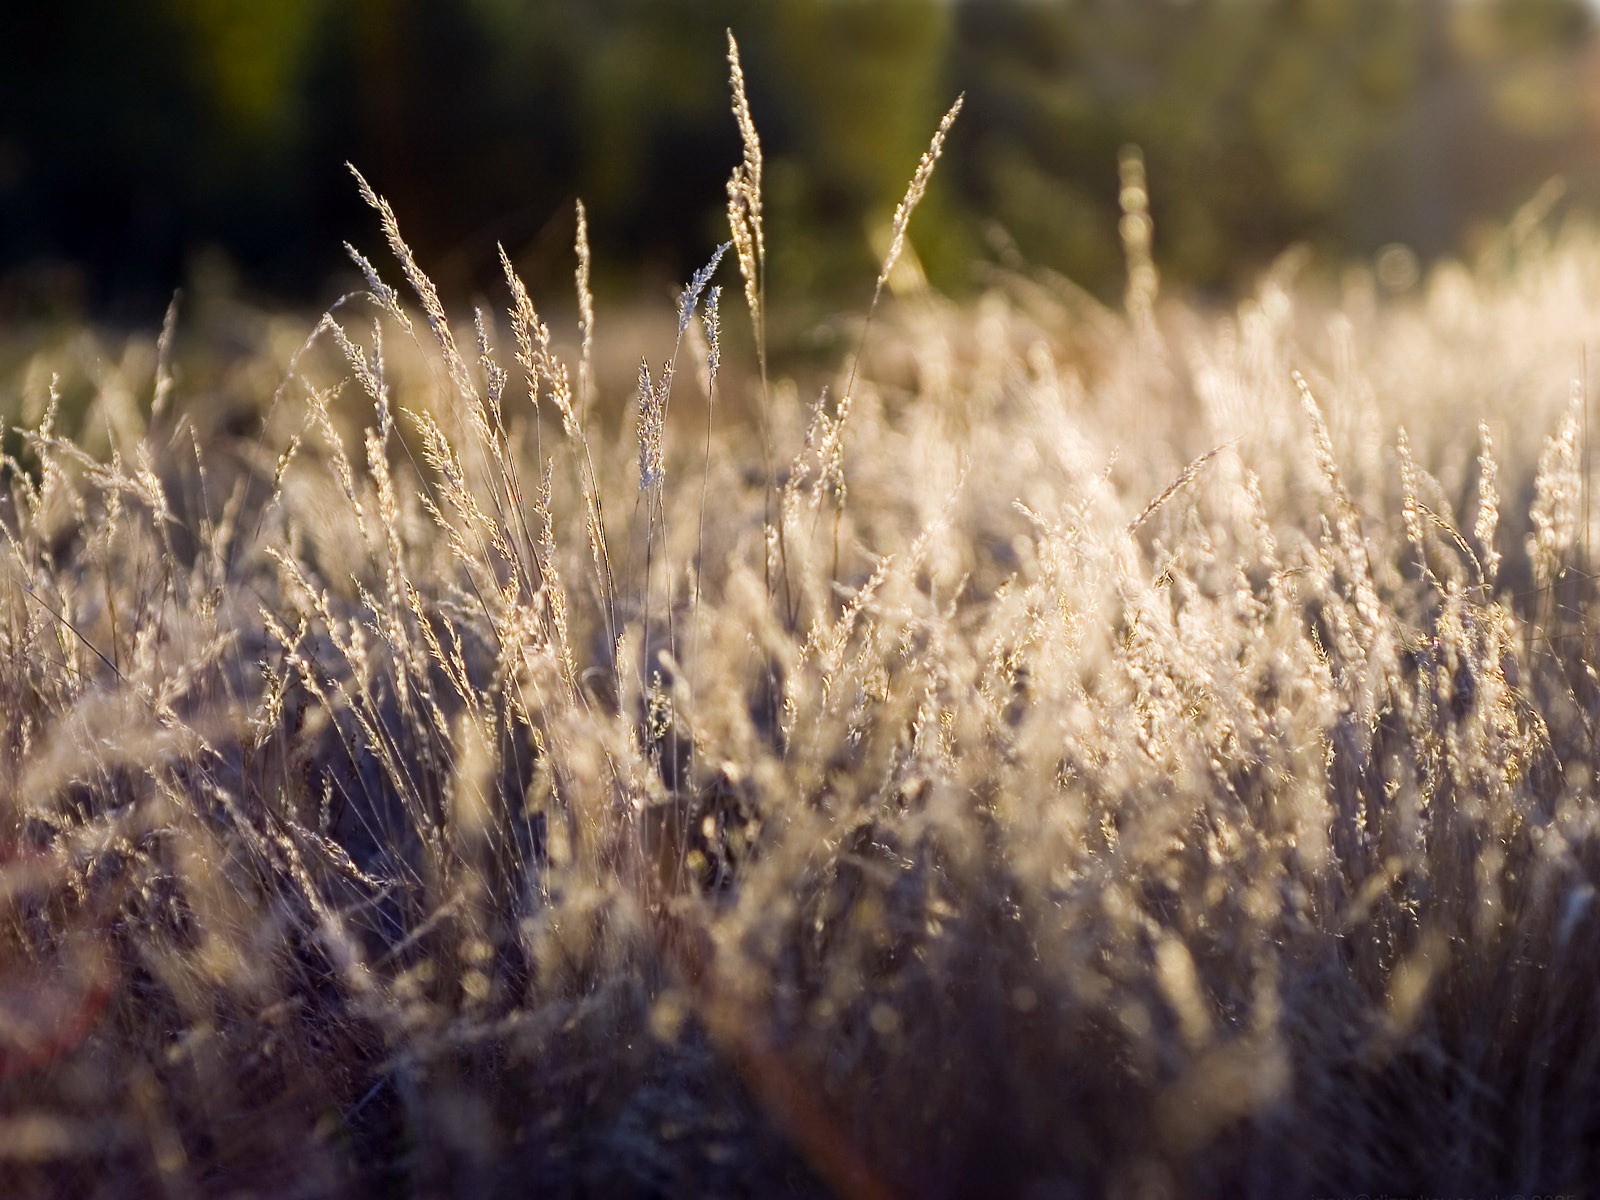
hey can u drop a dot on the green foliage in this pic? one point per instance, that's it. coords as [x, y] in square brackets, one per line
[137, 136]
[1263, 124]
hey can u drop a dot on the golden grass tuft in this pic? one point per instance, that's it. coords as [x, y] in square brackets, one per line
[403, 801]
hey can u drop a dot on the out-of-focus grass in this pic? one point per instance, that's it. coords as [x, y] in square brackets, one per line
[1080, 752]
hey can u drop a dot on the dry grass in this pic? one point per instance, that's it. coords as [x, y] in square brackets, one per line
[947, 792]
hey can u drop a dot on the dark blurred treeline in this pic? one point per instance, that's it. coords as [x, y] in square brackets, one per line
[143, 142]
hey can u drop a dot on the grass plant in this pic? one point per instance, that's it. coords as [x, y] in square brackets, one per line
[1143, 752]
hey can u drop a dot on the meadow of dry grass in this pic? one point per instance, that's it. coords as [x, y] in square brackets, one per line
[1084, 752]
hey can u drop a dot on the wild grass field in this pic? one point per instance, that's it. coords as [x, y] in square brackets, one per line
[1141, 751]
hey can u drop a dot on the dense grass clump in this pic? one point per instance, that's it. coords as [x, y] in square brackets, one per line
[1144, 753]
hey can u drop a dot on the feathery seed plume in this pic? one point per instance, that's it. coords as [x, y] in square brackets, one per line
[919, 186]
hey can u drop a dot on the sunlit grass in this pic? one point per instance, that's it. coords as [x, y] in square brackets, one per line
[1081, 752]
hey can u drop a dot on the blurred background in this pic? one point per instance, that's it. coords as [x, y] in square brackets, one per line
[147, 145]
